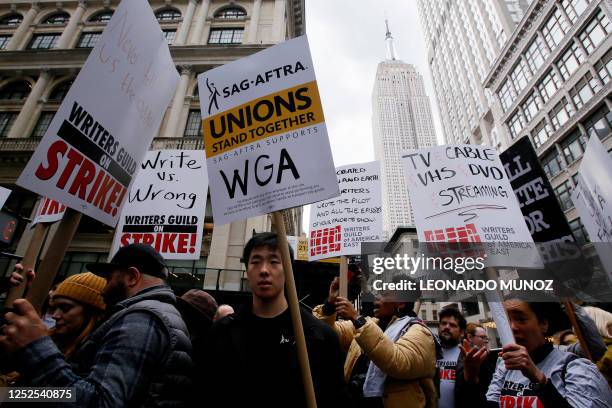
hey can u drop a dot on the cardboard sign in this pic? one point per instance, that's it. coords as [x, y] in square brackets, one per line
[264, 132]
[460, 193]
[88, 156]
[4, 195]
[49, 211]
[339, 226]
[166, 205]
[593, 198]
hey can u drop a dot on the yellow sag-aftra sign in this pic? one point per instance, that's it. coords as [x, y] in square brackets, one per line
[266, 142]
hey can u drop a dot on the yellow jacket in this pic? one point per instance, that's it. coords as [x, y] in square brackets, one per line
[410, 363]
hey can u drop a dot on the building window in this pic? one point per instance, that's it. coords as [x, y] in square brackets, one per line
[536, 53]
[4, 40]
[570, 61]
[574, 8]
[57, 19]
[434, 314]
[102, 17]
[563, 192]
[225, 36]
[573, 146]
[60, 91]
[595, 32]
[552, 164]
[231, 13]
[12, 20]
[169, 35]
[43, 124]
[554, 29]
[15, 91]
[6, 122]
[549, 85]
[532, 105]
[506, 95]
[520, 75]
[541, 133]
[560, 113]
[43, 41]
[584, 90]
[168, 15]
[599, 123]
[580, 234]
[516, 123]
[88, 40]
[194, 124]
[196, 93]
[604, 67]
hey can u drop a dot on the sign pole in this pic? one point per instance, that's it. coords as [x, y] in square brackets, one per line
[53, 257]
[29, 260]
[569, 309]
[294, 308]
[417, 307]
[343, 289]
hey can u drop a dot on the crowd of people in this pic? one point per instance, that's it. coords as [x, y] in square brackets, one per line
[120, 337]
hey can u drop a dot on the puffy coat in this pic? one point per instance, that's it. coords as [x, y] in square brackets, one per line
[410, 363]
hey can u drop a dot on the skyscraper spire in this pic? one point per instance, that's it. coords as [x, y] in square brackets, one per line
[391, 53]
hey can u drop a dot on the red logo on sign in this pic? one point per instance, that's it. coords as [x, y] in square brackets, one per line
[324, 241]
[466, 233]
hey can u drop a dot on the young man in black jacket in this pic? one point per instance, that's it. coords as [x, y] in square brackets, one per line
[252, 354]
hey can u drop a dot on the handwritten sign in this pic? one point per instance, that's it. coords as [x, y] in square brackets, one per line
[593, 198]
[264, 132]
[460, 193]
[49, 211]
[339, 226]
[166, 205]
[88, 157]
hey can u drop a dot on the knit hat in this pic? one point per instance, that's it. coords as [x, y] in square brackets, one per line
[84, 288]
[199, 301]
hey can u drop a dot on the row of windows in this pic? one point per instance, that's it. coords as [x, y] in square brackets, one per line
[193, 127]
[88, 39]
[164, 15]
[584, 89]
[547, 40]
[573, 146]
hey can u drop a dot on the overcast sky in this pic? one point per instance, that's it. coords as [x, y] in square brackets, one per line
[347, 41]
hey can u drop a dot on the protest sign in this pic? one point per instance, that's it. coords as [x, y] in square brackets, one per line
[88, 156]
[49, 211]
[541, 211]
[544, 218]
[593, 198]
[4, 195]
[266, 142]
[339, 226]
[460, 193]
[166, 205]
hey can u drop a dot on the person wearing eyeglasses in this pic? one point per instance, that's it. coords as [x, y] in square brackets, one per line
[477, 336]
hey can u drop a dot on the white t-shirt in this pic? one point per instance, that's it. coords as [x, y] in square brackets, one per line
[447, 367]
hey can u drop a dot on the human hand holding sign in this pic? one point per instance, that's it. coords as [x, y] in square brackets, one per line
[473, 358]
[517, 358]
[16, 277]
[345, 309]
[23, 327]
[334, 288]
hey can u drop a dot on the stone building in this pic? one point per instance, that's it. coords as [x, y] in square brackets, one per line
[44, 44]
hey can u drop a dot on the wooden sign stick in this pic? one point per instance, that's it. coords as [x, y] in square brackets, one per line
[294, 308]
[29, 260]
[53, 258]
